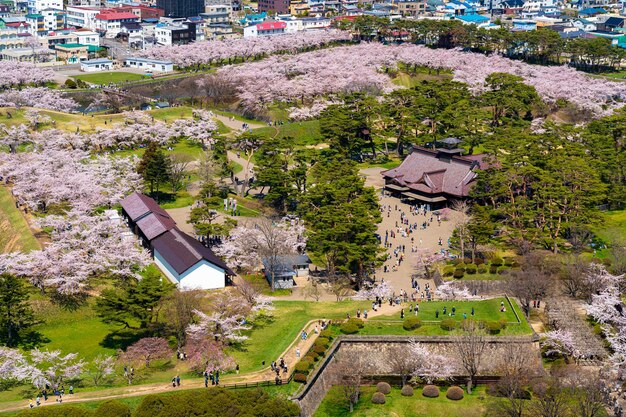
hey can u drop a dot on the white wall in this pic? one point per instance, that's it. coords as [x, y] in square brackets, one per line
[202, 275]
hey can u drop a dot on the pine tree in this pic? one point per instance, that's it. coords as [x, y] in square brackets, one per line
[16, 314]
[154, 166]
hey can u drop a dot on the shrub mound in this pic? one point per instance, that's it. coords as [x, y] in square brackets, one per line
[383, 387]
[493, 327]
[357, 322]
[454, 393]
[448, 270]
[430, 391]
[458, 273]
[448, 324]
[411, 323]
[322, 341]
[482, 269]
[326, 334]
[298, 377]
[348, 328]
[302, 367]
[493, 269]
[113, 409]
[378, 398]
[407, 391]
[320, 350]
[497, 262]
[471, 269]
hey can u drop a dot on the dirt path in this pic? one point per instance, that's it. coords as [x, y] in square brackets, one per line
[266, 374]
[237, 124]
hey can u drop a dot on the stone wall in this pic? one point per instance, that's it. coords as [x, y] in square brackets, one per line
[377, 351]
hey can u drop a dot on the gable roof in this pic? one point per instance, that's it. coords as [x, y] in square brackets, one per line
[155, 224]
[182, 251]
[614, 21]
[138, 205]
[431, 172]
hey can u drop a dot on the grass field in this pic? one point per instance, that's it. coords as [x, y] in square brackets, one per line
[473, 405]
[302, 133]
[614, 228]
[89, 122]
[15, 235]
[104, 78]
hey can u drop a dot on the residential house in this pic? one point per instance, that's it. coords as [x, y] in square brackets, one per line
[265, 29]
[253, 19]
[72, 53]
[49, 20]
[285, 269]
[218, 13]
[12, 37]
[584, 25]
[435, 178]
[474, 19]
[37, 6]
[87, 37]
[175, 35]
[411, 8]
[611, 24]
[110, 22]
[82, 17]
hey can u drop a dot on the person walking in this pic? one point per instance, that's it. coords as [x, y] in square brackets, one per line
[402, 314]
[178, 380]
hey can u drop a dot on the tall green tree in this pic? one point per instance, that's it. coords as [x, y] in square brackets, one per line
[134, 304]
[16, 315]
[341, 215]
[509, 97]
[154, 166]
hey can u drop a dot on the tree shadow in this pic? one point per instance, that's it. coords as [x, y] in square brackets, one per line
[32, 339]
[163, 197]
[121, 339]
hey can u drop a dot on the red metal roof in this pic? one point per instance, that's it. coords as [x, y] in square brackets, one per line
[271, 25]
[115, 16]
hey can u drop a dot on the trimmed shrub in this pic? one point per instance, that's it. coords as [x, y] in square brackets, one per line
[457, 261]
[468, 323]
[467, 260]
[503, 322]
[461, 266]
[493, 327]
[479, 261]
[471, 269]
[299, 378]
[448, 324]
[113, 409]
[497, 262]
[407, 391]
[411, 323]
[430, 391]
[326, 334]
[378, 398]
[482, 269]
[454, 393]
[57, 411]
[349, 328]
[357, 322]
[320, 350]
[314, 355]
[308, 360]
[493, 269]
[303, 367]
[458, 273]
[69, 83]
[448, 270]
[322, 341]
[383, 387]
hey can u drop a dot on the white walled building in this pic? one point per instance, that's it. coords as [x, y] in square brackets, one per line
[153, 65]
[82, 17]
[96, 65]
[36, 6]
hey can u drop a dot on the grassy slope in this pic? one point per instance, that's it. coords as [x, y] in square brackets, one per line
[614, 228]
[303, 133]
[109, 77]
[15, 235]
[334, 405]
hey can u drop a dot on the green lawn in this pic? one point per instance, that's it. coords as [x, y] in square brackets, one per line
[334, 405]
[109, 77]
[305, 133]
[184, 146]
[271, 337]
[614, 228]
[477, 277]
[487, 310]
[15, 235]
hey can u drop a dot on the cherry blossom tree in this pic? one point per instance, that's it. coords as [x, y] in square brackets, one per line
[101, 368]
[426, 258]
[17, 74]
[147, 350]
[206, 355]
[451, 290]
[40, 97]
[382, 291]
[266, 242]
[52, 367]
[428, 365]
[14, 366]
[218, 326]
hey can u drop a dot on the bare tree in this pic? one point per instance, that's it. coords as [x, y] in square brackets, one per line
[585, 389]
[179, 312]
[551, 399]
[515, 372]
[348, 372]
[574, 278]
[403, 364]
[533, 281]
[471, 345]
[179, 168]
[312, 290]
[249, 290]
[340, 288]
